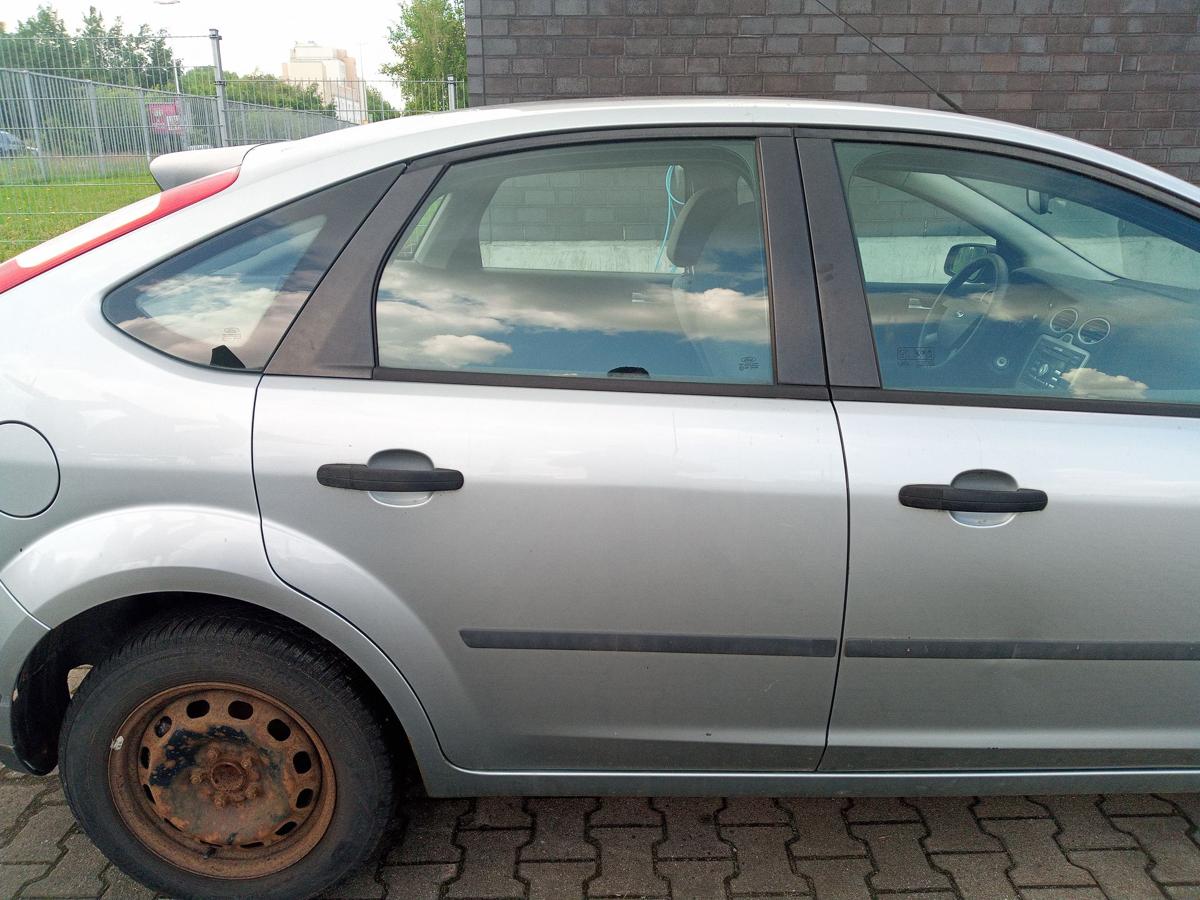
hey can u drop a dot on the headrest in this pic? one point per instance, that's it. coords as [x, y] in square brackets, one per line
[696, 221]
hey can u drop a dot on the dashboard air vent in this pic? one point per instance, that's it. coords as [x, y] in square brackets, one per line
[1093, 331]
[1064, 320]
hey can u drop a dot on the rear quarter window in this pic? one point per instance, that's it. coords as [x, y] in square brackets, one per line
[226, 302]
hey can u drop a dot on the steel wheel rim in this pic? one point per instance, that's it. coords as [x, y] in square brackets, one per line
[222, 780]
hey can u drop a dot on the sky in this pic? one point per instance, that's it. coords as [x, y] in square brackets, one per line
[255, 33]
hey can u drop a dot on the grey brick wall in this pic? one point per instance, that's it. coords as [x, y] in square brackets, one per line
[1123, 74]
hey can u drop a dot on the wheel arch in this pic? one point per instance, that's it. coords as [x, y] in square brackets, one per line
[85, 638]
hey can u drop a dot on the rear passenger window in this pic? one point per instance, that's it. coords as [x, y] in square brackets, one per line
[625, 260]
[226, 302]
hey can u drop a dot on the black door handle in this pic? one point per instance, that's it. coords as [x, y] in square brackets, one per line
[353, 477]
[952, 499]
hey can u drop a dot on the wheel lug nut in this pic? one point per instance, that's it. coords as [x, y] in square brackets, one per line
[252, 791]
[197, 777]
[219, 801]
[247, 762]
[210, 755]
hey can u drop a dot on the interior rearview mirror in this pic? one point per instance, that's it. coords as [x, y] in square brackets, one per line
[961, 255]
[1038, 201]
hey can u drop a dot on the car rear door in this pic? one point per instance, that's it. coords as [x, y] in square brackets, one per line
[1061, 633]
[586, 489]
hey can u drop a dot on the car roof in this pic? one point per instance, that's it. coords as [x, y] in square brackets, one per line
[370, 146]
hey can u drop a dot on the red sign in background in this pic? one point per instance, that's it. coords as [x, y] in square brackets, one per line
[165, 118]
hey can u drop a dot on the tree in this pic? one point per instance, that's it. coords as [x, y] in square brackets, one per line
[378, 108]
[258, 88]
[430, 43]
[96, 51]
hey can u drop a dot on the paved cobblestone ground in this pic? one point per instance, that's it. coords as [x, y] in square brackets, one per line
[1120, 847]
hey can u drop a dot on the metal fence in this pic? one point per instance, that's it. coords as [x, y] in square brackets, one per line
[80, 122]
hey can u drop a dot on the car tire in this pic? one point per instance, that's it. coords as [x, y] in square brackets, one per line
[182, 751]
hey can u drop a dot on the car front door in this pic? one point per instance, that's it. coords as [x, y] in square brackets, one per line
[1024, 491]
[591, 498]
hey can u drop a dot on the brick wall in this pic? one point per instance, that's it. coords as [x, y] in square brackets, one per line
[1123, 74]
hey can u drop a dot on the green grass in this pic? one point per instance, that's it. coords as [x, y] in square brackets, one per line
[42, 198]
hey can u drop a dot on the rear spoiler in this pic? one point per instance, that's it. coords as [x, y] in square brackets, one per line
[173, 169]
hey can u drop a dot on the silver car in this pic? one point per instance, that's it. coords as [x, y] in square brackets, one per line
[689, 446]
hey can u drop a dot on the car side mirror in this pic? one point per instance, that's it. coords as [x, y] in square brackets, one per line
[962, 255]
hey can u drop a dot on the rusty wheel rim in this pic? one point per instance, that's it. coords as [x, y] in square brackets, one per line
[222, 780]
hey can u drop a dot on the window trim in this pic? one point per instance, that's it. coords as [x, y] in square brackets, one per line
[347, 293]
[628, 385]
[854, 369]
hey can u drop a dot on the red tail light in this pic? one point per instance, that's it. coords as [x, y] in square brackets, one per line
[90, 235]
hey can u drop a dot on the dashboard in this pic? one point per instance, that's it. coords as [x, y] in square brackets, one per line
[1054, 335]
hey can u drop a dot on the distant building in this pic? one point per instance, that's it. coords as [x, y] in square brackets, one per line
[335, 73]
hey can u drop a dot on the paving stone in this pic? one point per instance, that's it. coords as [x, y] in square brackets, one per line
[626, 865]
[1135, 805]
[762, 860]
[1166, 838]
[701, 848]
[1188, 804]
[625, 811]
[13, 875]
[38, 840]
[1083, 826]
[558, 833]
[881, 809]
[122, 887]
[77, 874]
[901, 864]
[15, 798]
[556, 880]
[52, 794]
[429, 833]
[691, 828]
[1009, 808]
[422, 882]
[1038, 860]
[697, 879]
[489, 858]
[978, 876]
[822, 830]
[751, 811]
[496, 812]
[1120, 873]
[837, 879]
[952, 826]
[362, 885]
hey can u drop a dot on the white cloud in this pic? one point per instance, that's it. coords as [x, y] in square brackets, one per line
[419, 306]
[1097, 385]
[453, 351]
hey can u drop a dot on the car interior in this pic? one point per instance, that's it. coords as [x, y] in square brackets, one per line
[1019, 295]
[694, 309]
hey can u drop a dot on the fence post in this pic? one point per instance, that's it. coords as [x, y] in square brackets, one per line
[97, 137]
[451, 93]
[219, 80]
[141, 102]
[35, 120]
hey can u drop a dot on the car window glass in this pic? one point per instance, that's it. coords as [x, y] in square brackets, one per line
[1055, 284]
[903, 239]
[624, 260]
[227, 301]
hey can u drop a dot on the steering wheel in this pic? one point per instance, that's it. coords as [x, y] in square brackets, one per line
[961, 307]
